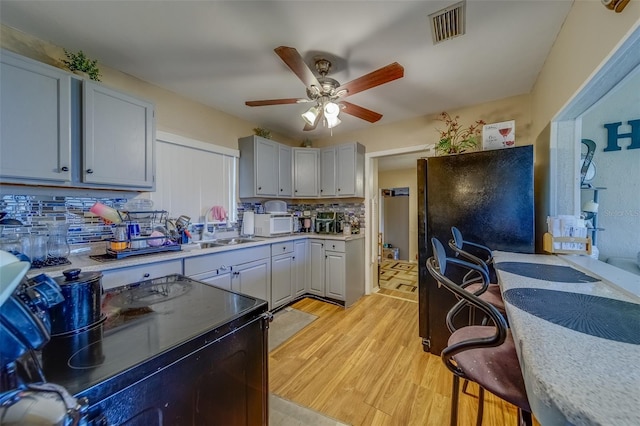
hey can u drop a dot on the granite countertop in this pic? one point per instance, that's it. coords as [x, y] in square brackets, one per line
[84, 262]
[578, 340]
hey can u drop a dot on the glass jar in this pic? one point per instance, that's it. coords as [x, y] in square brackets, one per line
[57, 245]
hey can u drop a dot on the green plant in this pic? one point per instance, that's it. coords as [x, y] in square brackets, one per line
[79, 62]
[263, 133]
[455, 139]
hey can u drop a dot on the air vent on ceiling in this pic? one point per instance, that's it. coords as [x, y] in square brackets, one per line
[448, 23]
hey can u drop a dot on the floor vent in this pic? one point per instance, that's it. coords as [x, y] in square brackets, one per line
[448, 23]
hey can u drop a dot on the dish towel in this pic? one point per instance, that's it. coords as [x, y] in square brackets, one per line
[218, 213]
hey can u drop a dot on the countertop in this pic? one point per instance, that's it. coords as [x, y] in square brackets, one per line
[84, 262]
[576, 339]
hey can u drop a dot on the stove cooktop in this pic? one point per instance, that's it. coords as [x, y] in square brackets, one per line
[143, 321]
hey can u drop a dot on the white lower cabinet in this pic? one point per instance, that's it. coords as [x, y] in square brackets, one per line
[316, 267]
[133, 274]
[282, 273]
[300, 267]
[253, 278]
[215, 278]
[246, 271]
[337, 269]
[334, 276]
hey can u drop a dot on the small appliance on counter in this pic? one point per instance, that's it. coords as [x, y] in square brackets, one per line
[273, 224]
[326, 223]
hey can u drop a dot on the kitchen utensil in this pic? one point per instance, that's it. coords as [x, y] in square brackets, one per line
[81, 308]
[107, 213]
[182, 222]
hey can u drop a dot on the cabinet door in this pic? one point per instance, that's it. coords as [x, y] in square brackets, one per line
[253, 278]
[118, 138]
[285, 185]
[305, 172]
[222, 280]
[35, 120]
[316, 266]
[266, 164]
[281, 280]
[335, 274]
[300, 269]
[328, 172]
[345, 170]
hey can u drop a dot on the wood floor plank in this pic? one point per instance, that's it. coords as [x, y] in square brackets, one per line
[365, 366]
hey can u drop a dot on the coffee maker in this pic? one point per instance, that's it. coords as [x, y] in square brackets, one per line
[325, 223]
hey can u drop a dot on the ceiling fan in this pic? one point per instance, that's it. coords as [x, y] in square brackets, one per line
[326, 93]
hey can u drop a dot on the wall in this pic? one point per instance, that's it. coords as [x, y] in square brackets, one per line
[400, 179]
[618, 171]
[423, 130]
[174, 113]
[589, 35]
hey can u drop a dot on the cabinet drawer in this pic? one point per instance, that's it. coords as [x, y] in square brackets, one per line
[226, 259]
[282, 248]
[332, 245]
[133, 274]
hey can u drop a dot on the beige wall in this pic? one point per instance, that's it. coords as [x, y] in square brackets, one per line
[423, 130]
[589, 35]
[174, 113]
[400, 179]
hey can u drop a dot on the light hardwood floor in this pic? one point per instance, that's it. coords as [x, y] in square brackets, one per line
[365, 366]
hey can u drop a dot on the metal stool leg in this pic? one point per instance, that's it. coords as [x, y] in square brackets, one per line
[480, 406]
[455, 391]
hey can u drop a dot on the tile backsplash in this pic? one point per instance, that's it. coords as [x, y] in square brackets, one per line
[37, 211]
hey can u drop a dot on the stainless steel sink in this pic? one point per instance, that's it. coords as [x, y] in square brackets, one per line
[233, 241]
[223, 242]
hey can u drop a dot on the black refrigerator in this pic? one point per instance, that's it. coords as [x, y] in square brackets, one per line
[489, 197]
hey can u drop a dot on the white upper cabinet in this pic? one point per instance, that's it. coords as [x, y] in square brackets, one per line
[328, 172]
[35, 121]
[342, 171]
[265, 168]
[42, 112]
[305, 172]
[118, 135]
[350, 170]
[285, 184]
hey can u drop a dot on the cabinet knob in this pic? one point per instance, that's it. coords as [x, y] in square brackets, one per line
[259, 188]
[322, 190]
[334, 246]
[296, 190]
[338, 189]
[65, 169]
[281, 189]
[89, 171]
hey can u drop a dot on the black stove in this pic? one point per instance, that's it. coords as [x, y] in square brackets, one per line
[162, 325]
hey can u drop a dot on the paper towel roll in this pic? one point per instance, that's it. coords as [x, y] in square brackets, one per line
[248, 223]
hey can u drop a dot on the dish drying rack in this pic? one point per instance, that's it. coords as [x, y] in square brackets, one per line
[148, 220]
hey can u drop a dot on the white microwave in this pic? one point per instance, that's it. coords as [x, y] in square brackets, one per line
[268, 225]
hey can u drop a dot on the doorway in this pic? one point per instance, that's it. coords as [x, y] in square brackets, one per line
[394, 223]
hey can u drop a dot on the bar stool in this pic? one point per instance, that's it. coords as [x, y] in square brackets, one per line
[472, 281]
[485, 355]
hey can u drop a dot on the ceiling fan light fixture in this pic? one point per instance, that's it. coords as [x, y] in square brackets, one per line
[332, 121]
[331, 109]
[311, 115]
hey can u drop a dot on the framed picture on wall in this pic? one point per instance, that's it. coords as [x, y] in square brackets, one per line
[499, 135]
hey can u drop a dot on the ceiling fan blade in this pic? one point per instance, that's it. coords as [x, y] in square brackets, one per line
[360, 112]
[375, 78]
[276, 102]
[294, 61]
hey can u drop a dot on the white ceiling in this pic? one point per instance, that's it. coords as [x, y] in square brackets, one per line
[221, 53]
